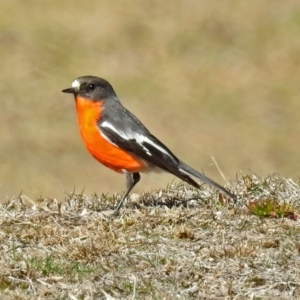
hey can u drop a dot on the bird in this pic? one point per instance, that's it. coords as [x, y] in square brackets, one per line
[119, 140]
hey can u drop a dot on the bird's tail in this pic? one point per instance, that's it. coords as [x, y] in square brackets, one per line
[187, 170]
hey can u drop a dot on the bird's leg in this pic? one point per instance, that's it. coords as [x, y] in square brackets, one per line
[131, 180]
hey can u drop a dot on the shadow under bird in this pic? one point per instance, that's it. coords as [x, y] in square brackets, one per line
[118, 140]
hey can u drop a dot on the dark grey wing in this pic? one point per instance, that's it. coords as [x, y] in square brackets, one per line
[142, 144]
[120, 127]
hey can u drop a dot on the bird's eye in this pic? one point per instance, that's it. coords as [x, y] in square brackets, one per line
[91, 87]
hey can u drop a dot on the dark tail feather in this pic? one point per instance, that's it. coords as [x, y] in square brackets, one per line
[192, 172]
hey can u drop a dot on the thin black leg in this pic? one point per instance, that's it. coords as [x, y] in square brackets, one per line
[131, 180]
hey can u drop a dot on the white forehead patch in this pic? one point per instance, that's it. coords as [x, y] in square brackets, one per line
[76, 84]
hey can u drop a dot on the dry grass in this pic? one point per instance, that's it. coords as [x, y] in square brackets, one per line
[176, 243]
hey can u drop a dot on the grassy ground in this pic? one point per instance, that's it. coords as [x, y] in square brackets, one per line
[207, 77]
[175, 243]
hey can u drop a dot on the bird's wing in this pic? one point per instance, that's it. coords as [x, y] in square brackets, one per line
[121, 128]
[137, 140]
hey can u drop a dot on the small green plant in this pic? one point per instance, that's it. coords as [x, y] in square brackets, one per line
[271, 208]
[51, 266]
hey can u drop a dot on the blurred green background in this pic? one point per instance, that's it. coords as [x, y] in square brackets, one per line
[217, 78]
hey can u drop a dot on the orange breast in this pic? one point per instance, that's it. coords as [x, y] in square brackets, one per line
[88, 113]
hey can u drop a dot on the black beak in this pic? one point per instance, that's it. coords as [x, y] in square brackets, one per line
[69, 91]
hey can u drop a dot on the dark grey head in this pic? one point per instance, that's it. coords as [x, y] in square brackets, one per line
[91, 87]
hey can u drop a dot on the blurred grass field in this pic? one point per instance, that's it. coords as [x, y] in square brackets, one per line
[208, 78]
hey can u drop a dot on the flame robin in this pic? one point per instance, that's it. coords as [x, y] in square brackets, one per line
[118, 140]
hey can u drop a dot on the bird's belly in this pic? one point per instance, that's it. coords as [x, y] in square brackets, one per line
[110, 155]
[105, 152]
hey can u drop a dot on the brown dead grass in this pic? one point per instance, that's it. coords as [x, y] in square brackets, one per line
[176, 243]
